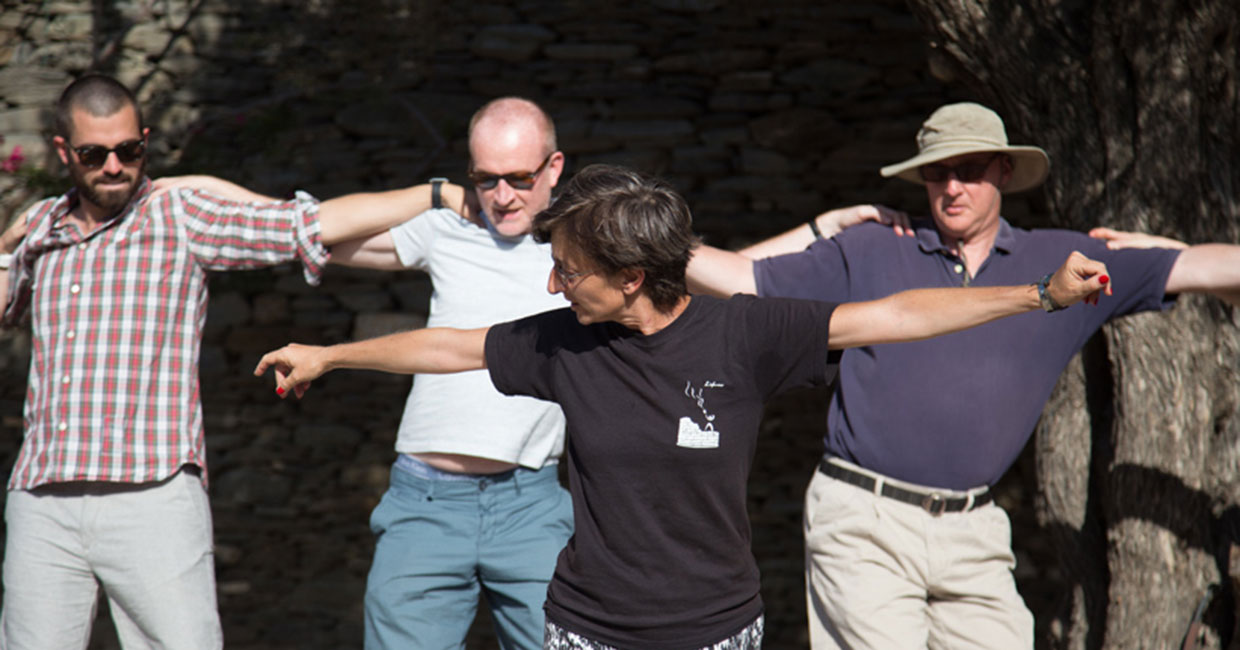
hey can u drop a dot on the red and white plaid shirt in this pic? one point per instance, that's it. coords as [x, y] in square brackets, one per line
[117, 315]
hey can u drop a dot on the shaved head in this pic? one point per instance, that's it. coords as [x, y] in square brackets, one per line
[519, 113]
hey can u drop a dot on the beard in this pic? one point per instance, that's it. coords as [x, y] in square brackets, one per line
[110, 201]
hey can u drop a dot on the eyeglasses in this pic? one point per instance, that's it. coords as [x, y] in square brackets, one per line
[968, 172]
[566, 278]
[95, 155]
[515, 180]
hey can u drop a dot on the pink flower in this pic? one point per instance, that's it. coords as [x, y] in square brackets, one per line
[14, 161]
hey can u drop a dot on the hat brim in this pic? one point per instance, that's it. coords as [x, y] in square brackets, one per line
[1030, 165]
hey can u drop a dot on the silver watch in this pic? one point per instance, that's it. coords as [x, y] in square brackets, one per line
[1044, 295]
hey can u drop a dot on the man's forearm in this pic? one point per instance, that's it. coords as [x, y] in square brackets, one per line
[717, 272]
[1207, 268]
[366, 213]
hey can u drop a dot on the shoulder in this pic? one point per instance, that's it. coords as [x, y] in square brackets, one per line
[765, 307]
[46, 209]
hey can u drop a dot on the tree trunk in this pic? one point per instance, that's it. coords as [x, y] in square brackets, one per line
[1137, 103]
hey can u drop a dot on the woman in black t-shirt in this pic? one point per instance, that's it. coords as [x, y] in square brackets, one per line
[663, 393]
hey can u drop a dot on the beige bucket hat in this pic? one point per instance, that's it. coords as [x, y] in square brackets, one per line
[966, 127]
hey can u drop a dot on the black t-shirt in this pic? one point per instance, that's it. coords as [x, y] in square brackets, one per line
[661, 435]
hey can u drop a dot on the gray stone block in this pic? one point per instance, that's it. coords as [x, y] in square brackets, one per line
[510, 42]
[24, 85]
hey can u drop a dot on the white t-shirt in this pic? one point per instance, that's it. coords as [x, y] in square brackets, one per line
[480, 279]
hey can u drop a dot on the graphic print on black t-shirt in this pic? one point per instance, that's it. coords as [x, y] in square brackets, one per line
[690, 435]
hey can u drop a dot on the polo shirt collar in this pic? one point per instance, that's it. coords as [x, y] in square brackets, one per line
[930, 242]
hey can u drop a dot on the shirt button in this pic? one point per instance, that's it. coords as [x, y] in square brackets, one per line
[62, 426]
[66, 379]
[82, 246]
[959, 268]
[77, 288]
[70, 334]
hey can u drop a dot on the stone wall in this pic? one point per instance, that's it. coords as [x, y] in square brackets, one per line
[762, 114]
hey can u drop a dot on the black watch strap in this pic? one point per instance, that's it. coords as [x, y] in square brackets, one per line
[436, 191]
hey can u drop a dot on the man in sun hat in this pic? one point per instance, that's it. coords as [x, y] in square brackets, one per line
[905, 547]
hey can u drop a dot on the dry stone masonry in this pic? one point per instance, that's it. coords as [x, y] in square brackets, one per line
[761, 114]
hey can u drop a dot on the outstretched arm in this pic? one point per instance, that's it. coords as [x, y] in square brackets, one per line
[347, 217]
[437, 350]
[227, 190]
[717, 272]
[830, 224]
[1119, 239]
[924, 313]
[366, 213]
[1206, 268]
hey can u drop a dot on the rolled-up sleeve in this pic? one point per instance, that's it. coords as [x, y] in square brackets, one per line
[226, 235]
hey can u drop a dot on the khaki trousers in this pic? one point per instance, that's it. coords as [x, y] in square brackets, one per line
[147, 544]
[888, 575]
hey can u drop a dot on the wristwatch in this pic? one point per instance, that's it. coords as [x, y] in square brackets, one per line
[436, 196]
[6, 260]
[1044, 295]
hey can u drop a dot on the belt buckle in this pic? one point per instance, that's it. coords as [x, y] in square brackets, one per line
[934, 503]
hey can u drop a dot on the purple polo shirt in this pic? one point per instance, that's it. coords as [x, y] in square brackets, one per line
[955, 411]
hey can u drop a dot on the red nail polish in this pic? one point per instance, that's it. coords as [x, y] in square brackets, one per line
[1104, 279]
[279, 391]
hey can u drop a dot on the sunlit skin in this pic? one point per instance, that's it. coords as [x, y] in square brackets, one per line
[595, 296]
[598, 297]
[105, 190]
[969, 212]
[503, 147]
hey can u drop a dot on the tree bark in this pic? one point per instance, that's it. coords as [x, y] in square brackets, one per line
[1137, 103]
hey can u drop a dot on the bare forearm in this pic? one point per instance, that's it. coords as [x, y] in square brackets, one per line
[436, 350]
[719, 273]
[789, 241]
[377, 251]
[366, 213]
[925, 313]
[1207, 268]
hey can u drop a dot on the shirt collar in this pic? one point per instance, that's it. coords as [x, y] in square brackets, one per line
[70, 200]
[930, 242]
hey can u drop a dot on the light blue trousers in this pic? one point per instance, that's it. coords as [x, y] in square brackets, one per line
[440, 543]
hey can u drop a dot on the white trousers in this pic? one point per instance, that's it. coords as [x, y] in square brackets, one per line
[888, 575]
[148, 545]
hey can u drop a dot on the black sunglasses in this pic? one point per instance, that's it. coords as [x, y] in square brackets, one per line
[95, 155]
[515, 180]
[969, 172]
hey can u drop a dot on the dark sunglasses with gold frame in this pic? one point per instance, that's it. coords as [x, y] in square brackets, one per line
[515, 180]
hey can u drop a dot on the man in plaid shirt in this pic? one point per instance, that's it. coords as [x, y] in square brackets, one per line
[109, 485]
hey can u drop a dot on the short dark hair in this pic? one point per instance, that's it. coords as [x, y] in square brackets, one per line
[620, 219]
[97, 94]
